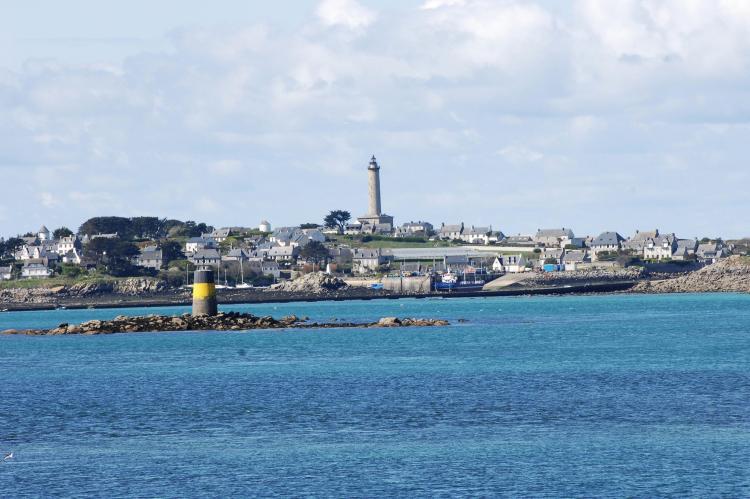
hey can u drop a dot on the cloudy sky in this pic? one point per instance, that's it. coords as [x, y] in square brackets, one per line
[595, 115]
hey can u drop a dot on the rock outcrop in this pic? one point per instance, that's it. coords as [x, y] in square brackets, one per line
[729, 275]
[132, 286]
[314, 283]
[231, 321]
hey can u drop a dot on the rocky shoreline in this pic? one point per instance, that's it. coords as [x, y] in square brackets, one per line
[731, 275]
[230, 321]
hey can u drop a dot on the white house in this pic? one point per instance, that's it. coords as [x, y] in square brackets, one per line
[35, 271]
[5, 273]
[198, 243]
[67, 244]
[510, 263]
[476, 235]
[43, 234]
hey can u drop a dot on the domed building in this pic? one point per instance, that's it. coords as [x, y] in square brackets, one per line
[264, 226]
[43, 234]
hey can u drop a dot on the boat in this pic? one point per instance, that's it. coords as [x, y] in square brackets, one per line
[452, 281]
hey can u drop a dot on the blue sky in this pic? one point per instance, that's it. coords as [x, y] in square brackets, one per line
[594, 115]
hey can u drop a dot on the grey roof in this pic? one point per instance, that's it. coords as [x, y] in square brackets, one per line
[206, 254]
[688, 244]
[642, 235]
[44, 229]
[477, 231]
[555, 233]
[451, 228]
[4, 270]
[574, 256]
[608, 239]
[366, 253]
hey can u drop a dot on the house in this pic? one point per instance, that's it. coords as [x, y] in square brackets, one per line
[150, 258]
[476, 235]
[415, 229]
[340, 255]
[510, 263]
[710, 252]
[6, 273]
[554, 237]
[236, 255]
[264, 267]
[496, 236]
[283, 253]
[685, 249]
[367, 261]
[73, 257]
[205, 257]
[35, 270]
[573, 258]
[450, 232]
[519, 240]
[638, 241]
[550, 254]
[353, 228]
[609, 242]
[68, 244]
[105, 236]
[198, 243]
[660, 248]
[218, 235]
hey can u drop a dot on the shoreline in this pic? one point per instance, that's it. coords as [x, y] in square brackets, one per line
[106, 302]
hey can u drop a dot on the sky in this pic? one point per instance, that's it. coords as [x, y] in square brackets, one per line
[596, 115]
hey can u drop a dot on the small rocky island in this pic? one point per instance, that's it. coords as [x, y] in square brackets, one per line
[229, 321]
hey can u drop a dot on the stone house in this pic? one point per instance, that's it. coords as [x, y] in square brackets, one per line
[709, 252]
[151, 257]
[660, 248]
[205, 257]
[264, 267]
[606, 241]
[638, 241]
[450, 232]
[415, 229]
[367, 261]
[283, 253]
[554, 237]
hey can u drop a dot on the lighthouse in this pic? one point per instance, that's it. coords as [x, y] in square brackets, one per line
[375, 220]
[373, 174]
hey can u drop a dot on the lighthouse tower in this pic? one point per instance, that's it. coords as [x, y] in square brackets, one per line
[373, 174]
[375, 220]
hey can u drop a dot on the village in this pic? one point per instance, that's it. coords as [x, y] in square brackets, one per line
[370, 245]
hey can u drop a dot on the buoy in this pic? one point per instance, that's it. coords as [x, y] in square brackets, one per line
[204, 292]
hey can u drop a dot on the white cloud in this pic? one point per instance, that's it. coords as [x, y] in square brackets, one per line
[347, 13]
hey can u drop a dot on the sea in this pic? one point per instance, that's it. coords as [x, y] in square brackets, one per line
[574, 396]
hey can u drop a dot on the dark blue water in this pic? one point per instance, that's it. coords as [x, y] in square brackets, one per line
[557, 397]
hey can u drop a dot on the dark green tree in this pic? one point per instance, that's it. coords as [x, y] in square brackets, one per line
[337, 219]
[107, 225]
[62, 232]
[309, 226]
[114, 255]
[148, 227]
[170, 251]
[314, 251]
[9, 248]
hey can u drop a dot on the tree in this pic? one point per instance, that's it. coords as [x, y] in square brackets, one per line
[9, 248]
[309, 226]
[62, 232]
[148, 227]
[337, 219]
[171, 250]
[107, 225]
[314, 251]
[115, 255]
